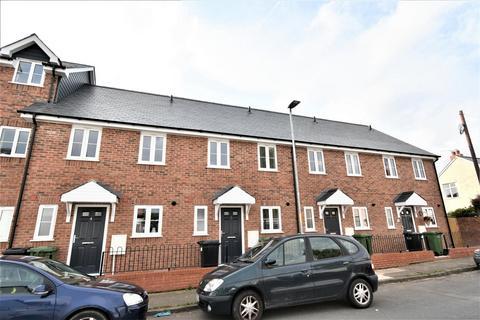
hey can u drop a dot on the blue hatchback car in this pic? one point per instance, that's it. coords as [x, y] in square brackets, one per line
[39, 288]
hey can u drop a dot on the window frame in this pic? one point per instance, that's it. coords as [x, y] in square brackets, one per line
[361, 225]
[389, 159]
[153, 136]
[219, 154]
[316, 164]
[267, 146]
[430, 226]
[148, 217]
[448, 192]
[83, 150]
[15, 141]
[419, 160]
[342, 251]
[30, 75]
[195, 221]
[48, 237]
[353, 174]
[270, 219]
[12, 209]
[313, 229]
[390, 227]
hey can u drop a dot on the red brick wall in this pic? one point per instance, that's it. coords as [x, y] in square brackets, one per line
[468, 233]
[392, 260]
[164, 280]
[461, 252]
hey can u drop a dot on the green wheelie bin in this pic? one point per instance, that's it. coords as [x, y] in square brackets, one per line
[365, 240]
[45, 251]
[434, 242]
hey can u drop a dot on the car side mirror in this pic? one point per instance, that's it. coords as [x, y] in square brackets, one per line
[269, 262]
[42, 290]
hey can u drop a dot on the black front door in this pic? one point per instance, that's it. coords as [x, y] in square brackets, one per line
[231, 234]
[407, 220]
[88, 239]
[332, 224]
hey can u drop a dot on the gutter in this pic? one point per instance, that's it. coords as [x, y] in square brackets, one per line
[443, 204]
[16, 212]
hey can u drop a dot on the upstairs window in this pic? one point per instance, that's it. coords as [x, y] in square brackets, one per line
[353, 164]
[218, 154]
[29, 73]
[13, 141]
[450, 190]
[267, 157]
[152, 149]
[360, 218]
[315, 162]
[271, 220]
[418, 169]
[390, 167]
[147, 221]
[84, 144]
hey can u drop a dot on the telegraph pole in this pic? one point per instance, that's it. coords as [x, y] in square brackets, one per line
[464, 129]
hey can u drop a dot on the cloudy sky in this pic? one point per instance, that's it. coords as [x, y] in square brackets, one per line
[406, 68]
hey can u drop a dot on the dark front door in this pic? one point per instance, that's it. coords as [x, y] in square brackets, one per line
[407, 220]
[231, 234]
[332, 224]
[88, 239]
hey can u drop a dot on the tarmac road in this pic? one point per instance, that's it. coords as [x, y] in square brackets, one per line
[451, 297]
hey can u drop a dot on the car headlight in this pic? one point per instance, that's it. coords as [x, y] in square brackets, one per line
[477, 251]
[132, 299]
[213, 285]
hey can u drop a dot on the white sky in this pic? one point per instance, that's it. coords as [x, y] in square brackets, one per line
[406, 68]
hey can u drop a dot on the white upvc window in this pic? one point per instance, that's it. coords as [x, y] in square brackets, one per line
[29, 72]
[267, 157]
[360, 218]
[147, 221]
[390, 218]
[152, 148]
[6, 216]
[418, 169]
[218, 153]
[316, 163]
[390, 167]
[271, 219]
[450, 190]
[352, 161]
[200, 222]
[84, 143]
[45, 226]
[429, 217]
[14, 141]
[309, 219]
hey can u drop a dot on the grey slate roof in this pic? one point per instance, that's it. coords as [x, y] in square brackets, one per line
[402, 197]
[130, 107]
[325, 194]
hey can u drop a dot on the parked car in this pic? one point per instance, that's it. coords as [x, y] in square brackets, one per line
[476, 257]
[290, 271]
[39, 288]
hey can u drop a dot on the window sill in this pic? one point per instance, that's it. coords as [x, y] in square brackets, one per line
[421, 179]
[391, 228]
[391, 177]
[354, 175]
[271, 231]
[82, 159]
[218, 167]
[151, 163]
[27, 84]
[431, 227]
[12, 155]
[200, 234]
[318, 173]
[268, 170]
[363, 229]
[313, 230]
[140, 236]
[42, 240]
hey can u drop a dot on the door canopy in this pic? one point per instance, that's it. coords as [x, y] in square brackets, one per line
[410, 198]
[232, 196]
[333, 197]
[90, 192]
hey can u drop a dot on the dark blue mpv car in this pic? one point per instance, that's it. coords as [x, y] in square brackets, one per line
[39, 288]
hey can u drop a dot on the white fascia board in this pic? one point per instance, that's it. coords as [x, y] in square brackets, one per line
[106, 124]
[25, 43]
[6, 62]
[68, 71]
[414, 200]
[89, 192]
[338, 198]
[236, 195]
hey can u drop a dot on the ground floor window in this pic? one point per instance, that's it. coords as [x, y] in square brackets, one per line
[390, 219]
[6, 215]
[360, 218]
[45, 226]
[200, 224]
[147, 221]
[429, 217]
[309, 219]
[271, 219]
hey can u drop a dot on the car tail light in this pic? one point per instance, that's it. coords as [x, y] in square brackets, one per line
[373, 267]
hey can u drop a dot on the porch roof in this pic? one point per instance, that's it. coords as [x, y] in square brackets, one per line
[409, 198]
[233, 195]
[92, 192]
[334, 197]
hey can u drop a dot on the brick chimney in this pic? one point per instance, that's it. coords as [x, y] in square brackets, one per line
[455, 153]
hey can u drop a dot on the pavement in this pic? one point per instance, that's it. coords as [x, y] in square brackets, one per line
[185, 300]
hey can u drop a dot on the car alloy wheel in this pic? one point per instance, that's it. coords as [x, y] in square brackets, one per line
[249, 308]
[248, 305]
[360, 293]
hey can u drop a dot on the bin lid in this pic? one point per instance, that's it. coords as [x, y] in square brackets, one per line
[208, 242]
[43, 249]
[362, 235]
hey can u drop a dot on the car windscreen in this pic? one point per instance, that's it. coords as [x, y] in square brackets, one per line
[257, 251]
[60, 271]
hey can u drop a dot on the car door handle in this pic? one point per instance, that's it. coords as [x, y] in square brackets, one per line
[308, 273]
[346, 262]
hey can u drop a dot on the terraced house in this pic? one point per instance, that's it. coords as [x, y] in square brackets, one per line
[86, 167]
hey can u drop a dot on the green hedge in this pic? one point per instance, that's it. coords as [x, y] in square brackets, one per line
[463, 212]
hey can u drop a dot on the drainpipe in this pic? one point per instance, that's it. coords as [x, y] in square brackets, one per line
[51, 92]
[16, 213]
[443, 204]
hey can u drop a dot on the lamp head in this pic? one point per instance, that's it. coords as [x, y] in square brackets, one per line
[293, 104]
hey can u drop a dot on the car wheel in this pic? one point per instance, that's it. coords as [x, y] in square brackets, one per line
[248, 305]
[89, 315]
[360, 293]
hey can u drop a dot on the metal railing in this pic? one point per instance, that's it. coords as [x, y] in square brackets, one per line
[152, 257]
[388, 243]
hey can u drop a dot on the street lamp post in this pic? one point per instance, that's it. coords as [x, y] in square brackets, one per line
[292, 105]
